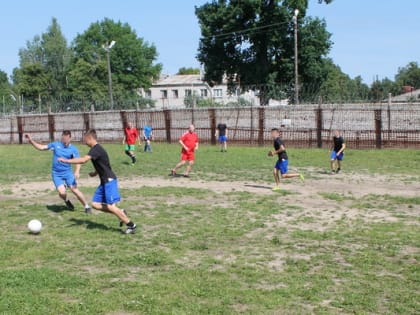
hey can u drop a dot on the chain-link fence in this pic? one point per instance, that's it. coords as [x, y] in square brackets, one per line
[363, 126]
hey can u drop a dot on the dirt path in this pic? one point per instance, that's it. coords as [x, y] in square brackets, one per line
[357, 185]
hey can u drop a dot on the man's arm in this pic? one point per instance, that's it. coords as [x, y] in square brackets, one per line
[80, 160]
[36, 145]
[196, 146]
[183, 145]
[343, 147]
[279, 150]
[123, 142]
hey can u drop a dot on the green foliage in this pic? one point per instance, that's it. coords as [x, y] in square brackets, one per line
[132, 62]
[408, 76]
[46, 56]
[249, 40]
[339, 87]
[184, 71]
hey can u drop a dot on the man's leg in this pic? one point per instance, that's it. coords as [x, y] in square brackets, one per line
[178, 166]
[225, 146]
[62, 193]
[79, 195]
[113, 209]
[276, 176]
[189, 167]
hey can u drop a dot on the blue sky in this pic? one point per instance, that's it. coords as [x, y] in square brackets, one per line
[371, 37]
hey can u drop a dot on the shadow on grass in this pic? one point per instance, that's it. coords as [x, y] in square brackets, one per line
[90, 225]
[58, 208]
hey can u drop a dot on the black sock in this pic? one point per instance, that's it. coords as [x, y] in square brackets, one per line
[130, 224]
[133, 158]
[128, 153]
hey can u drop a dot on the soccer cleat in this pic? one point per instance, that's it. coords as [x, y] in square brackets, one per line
[186, 175]
[276, 188]
[131, 229]
[88, 210]
[69, 205]
[125, 212]
[302, 178]
[338, 170]
[173, 173]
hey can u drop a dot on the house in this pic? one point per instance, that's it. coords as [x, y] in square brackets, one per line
[410, 96]
[171, 91]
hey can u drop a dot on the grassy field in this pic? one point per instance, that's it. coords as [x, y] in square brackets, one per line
[223, 243]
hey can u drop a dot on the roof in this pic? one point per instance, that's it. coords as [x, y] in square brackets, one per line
[409, 96]
[179, 80]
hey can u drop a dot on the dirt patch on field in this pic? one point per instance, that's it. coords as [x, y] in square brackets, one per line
[312, 210]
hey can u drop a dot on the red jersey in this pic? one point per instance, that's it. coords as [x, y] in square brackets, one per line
[131, 135]
[190, 140]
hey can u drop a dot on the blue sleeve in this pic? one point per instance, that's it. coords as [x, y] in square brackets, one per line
[51, 146]
[75, 153]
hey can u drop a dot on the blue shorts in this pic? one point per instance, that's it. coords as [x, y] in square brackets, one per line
[282, 166]
[67, 179]
[339, 157]
[222, 139]
[107, 193]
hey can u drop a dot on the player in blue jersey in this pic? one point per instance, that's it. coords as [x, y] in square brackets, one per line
[62, 174]
[147, 136]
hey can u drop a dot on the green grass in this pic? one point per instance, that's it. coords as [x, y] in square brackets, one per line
[202, 252]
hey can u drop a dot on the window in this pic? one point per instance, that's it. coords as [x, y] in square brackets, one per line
[218, 93]
[175, 93]
[188, 92]
[163, 93]
[203, 93]
[148, 94]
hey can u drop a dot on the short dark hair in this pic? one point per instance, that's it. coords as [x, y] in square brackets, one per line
[275, 129]
[66, 133]
[92, 133]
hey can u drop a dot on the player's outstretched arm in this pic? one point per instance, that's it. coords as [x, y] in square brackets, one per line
[36, 145]
[80, 160]
[183, 145]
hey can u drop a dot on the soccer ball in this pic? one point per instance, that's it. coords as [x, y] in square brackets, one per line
[35, 226]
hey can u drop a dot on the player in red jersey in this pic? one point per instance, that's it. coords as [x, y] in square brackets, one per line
[189, 143]
[131, 135]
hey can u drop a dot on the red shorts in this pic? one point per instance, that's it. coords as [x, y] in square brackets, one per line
[187, 155]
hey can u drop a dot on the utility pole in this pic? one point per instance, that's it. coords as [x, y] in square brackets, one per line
[108, 59]
[296, 58]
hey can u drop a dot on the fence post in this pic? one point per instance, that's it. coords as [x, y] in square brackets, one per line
[212, 117]
[51, 126]
[20, 128]
[319, 127]
[261, 125]
[378, 128]
[167, 115]
[123, 115]
[86, 121]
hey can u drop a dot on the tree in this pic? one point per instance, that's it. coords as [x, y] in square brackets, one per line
[49, 51]
[407, 76]
[337, 86]
[32, 80]
[249, 40]
[184, 71]
[132, 61]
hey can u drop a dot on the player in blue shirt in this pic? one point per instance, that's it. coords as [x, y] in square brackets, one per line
[147, 135]
[61, 173]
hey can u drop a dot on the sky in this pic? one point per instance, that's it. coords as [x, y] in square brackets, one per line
[372, 38]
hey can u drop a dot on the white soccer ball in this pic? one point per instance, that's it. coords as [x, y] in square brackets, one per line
[35, 226]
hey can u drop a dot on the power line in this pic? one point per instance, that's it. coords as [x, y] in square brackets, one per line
[246, 31]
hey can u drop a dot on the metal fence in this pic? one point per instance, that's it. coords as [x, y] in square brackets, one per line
[363, 126]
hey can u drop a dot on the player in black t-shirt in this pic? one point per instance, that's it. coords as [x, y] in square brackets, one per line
[221, 132]
[337, 152]
[106, 195]
[281, 167]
